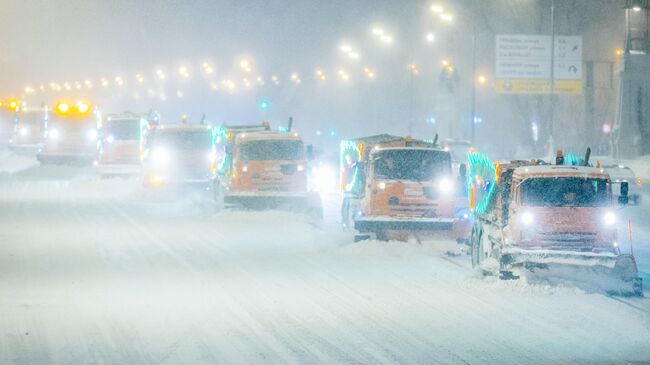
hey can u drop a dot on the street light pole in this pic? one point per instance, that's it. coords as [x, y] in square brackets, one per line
[552, 91]
[473, 113]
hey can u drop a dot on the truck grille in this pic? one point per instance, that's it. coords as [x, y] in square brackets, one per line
[288, 169]
[568, 240]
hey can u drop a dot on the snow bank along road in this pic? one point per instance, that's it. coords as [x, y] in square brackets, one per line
[100, 272]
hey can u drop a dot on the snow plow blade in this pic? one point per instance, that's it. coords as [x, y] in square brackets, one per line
[374, 224]
[615, 274]
[304, 202]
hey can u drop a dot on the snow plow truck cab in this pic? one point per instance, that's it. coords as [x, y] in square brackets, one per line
[397, 186]
[535, 217]
[8, 116]
[180, 156]
[121, 144]
[29, 130]
[71, 134]
[264, 169]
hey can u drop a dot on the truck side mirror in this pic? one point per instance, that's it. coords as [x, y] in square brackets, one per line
[623, 197]
[462, 180]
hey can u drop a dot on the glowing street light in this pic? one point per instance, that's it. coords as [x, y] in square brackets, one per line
[447, 17]
[430, 37]
[438, 9]
[207, 68]
[320, 75]
[184, 72]
[481, 79]
[414, 69]
[350, 51]
[369, 73]
[139, 78]
[245, 65]
[295, 78]
[377, 31]
[275, 79]
[445, 63]
[89, 84]
[160, 74]
[343, 75]
[119, 81]
[103, 81]
[387, 39]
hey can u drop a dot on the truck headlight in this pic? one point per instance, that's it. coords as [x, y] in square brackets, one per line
[24, 131]
[54, 134]
[92, 135]
[609, 219]
[527, 218]
[446, 185]
[160, 156]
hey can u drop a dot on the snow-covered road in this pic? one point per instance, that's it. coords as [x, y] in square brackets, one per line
[100, 272]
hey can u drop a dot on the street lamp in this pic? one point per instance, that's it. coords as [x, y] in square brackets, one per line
[438, 9]
[448, 18]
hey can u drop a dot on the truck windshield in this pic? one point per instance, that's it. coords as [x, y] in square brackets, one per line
[266, 150]
[127, 129]
[73, 124]
[411, 164]
[184, 140]
[565, 192]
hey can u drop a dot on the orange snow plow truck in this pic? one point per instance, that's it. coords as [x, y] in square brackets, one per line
[548, 221]
[395, 187]
[262, 168]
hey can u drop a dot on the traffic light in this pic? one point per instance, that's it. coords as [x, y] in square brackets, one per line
[264, 104]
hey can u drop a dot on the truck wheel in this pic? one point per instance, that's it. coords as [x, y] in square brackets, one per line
[381, 235]
[217, 196]
[346, 220]
[475, 242]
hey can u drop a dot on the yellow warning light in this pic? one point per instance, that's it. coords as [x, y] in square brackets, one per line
[62, 107]
[82, 107]
[13, 105]
[497, 172]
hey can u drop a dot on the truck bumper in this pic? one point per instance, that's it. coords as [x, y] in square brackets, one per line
[265, 198]
[25, 148]
[519, 256]
[117, 169]
[384, 223]
[65, 158]
[614, 272]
